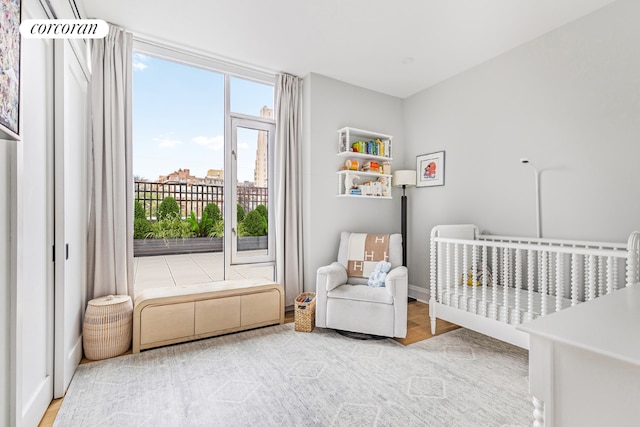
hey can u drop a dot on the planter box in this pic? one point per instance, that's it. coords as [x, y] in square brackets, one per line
[192, 245]
[250, 243]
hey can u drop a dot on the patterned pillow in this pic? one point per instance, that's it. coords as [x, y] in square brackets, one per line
[364, 253]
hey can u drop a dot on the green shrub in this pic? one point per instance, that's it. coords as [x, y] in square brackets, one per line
[254, 224]
[138, 210]
[168, 209]
[217, 229]
[213, 211]
[201, 228]
[241, 232]
[240, 212]
[170, 229]
[141, 228]
[262, 209]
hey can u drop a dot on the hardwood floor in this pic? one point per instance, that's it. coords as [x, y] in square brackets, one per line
[50, 416]
[418, 329]
[419, 325]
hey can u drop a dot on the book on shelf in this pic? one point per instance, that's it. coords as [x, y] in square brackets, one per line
[373, 147]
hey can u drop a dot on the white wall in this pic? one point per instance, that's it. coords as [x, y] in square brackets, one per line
[329, 105]
[570, 102]
[7, 164]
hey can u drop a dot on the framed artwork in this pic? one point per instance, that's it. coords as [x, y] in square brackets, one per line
[430, 169]
[10, 69]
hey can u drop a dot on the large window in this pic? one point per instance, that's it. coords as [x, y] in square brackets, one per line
[202, 172]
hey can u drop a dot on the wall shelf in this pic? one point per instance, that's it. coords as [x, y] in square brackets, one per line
[374, 147]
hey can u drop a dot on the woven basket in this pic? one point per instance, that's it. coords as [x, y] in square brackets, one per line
[305, 312]
[107, 327]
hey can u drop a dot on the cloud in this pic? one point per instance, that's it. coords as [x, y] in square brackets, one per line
[215, 143]
[166, 142]
[139, 62]
[243, 145]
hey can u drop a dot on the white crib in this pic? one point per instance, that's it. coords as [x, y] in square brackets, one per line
[491, 284]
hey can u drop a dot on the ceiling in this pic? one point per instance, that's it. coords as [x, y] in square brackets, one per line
[395, 47]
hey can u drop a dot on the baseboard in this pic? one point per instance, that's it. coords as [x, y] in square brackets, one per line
[419, 293]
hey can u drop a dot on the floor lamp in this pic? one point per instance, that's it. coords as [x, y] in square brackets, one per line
[404, 179]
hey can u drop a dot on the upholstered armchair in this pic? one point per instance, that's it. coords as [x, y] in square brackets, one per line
[344, 301]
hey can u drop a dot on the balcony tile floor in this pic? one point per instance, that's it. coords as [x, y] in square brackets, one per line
[190, 269]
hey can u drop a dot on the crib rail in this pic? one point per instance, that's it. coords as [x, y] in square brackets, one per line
[514, 280]
[553, 242]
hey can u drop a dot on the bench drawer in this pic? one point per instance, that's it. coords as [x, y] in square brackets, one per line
[260, 307]
[217, 314]
[166, 322]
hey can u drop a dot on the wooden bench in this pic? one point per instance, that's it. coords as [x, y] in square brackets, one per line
[163, 316]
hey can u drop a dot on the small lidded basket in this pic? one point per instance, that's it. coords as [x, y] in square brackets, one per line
[107, 327]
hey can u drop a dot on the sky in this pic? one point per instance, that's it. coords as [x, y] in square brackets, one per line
[178, 118]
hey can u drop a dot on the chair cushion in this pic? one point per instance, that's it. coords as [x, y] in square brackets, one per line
[394, 255]
[362, 293]
[365, 251]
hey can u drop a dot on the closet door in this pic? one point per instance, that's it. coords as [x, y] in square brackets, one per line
[34, 223]
[71, 211]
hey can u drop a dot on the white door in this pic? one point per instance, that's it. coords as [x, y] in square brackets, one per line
[251, 186]
[34, 295]
[71, 212]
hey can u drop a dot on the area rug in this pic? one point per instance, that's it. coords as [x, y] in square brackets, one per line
[275, 376]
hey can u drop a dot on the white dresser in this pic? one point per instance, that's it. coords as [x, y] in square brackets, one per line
[584, 363]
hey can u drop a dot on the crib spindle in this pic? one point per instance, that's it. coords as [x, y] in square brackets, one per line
[518, 271]
[615, 278]
[633, 259]
[494, 278]
[559, 280]
[474, 278]
[465, 273]
[574, 279]
[592, 277]
[485, 281]
[610, 282]
[600, 275]
[505, 286]
[456, 275]
[543, 282]
[449, 267]
[530, 282]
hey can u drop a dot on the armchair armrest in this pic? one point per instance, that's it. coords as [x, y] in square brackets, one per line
[327, 278]
[330, 277]
[397, 282]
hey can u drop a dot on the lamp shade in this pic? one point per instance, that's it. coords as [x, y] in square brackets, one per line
[404, 177]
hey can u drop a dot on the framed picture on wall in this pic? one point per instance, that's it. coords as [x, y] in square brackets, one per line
[430, 169]
[10, 69]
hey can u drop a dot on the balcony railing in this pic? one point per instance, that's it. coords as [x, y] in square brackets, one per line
[194, 197]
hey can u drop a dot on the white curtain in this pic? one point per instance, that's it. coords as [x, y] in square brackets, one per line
[288, 195]
[110, 242]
